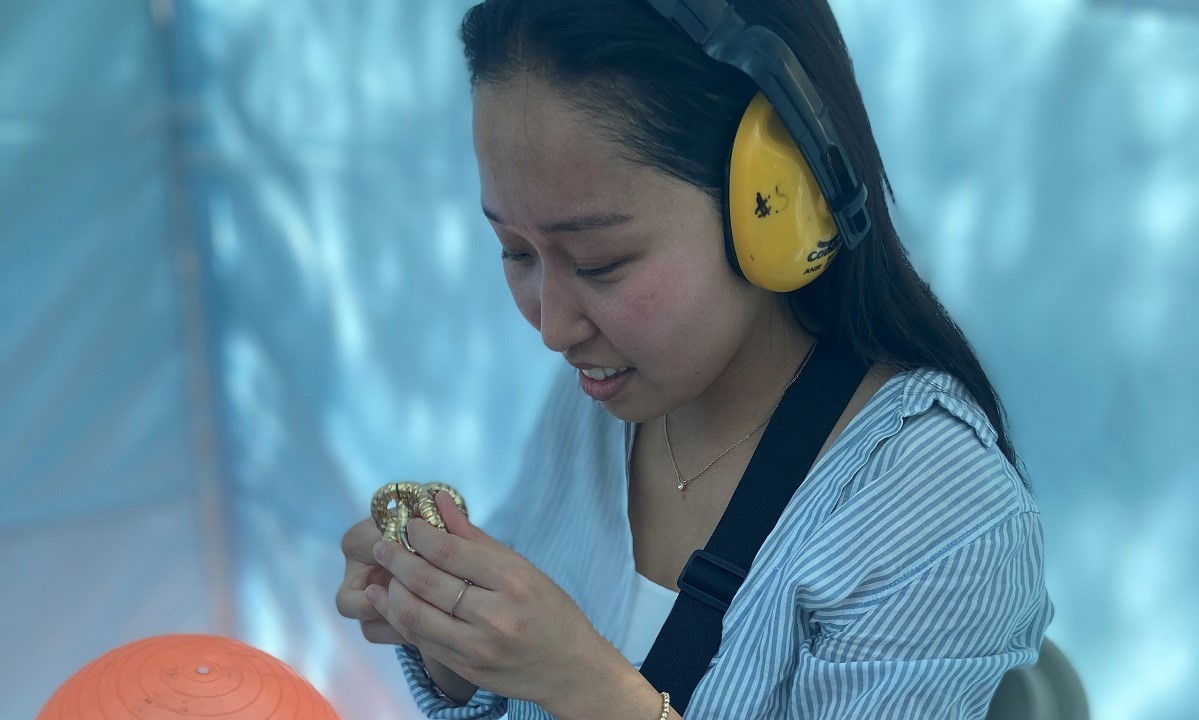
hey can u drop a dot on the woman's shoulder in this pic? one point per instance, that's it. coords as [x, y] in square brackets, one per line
[921, 476]
[927, 427]
[929, 437]
[925, 386]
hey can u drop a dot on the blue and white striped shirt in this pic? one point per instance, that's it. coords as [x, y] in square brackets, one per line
[903, 579]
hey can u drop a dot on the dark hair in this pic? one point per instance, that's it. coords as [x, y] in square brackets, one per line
[654, 92]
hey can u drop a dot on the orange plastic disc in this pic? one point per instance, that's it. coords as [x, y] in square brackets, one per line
[186, 676]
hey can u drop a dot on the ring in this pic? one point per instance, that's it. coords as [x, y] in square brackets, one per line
[460, 592]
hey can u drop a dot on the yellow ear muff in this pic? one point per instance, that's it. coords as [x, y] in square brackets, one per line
[782, 231]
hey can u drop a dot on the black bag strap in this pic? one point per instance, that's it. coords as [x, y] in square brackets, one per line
[802, 422]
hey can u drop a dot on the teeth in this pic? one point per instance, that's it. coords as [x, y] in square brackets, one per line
[602, 373]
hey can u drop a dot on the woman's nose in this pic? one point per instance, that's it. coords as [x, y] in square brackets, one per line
[563, 324]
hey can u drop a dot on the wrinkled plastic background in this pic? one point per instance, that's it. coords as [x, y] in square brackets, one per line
[244, 281]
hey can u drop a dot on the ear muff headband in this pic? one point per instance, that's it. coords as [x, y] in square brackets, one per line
[792, 196]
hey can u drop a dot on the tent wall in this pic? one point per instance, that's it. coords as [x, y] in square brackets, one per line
[103, 531]
[244, 281]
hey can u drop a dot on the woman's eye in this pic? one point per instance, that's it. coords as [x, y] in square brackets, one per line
[581, 272]
[597, 272]
[505, 255]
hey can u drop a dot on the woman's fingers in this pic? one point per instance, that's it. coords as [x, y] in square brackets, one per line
[380, 631]
[481, 561]
[352, 604]
[411, 616]
[359, 576]
[362, 570]
[356, 544]
[436, 589]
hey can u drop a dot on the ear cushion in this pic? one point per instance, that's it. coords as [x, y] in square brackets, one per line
[777, 222]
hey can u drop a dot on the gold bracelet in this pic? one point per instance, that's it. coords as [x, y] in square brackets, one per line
[665, 705]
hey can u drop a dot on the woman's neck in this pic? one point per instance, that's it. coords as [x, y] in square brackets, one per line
[743, 395]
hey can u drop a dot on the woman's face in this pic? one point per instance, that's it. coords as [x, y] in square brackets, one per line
[640, 281]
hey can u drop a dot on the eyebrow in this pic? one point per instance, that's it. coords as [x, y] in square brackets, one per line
[578, 223]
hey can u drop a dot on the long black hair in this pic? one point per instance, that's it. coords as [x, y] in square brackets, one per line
[657, 95]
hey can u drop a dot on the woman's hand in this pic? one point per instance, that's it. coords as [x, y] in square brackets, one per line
[514, 632]
[363, 570]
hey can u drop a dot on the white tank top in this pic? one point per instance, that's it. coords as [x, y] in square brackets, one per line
[650, 607]
[651, 602]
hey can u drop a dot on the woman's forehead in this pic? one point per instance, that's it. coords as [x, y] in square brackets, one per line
[538, 134]
[543, 162]
[546, 173]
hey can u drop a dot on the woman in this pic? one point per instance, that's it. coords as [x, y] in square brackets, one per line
[904, 577]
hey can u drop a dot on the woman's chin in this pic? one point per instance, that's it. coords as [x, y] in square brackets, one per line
[622, 409]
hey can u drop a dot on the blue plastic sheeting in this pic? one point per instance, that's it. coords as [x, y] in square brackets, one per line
[1046, 167]
[365, 334]
[100, 530]
[244, 281]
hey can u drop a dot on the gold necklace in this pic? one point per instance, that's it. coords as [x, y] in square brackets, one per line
[683, 483]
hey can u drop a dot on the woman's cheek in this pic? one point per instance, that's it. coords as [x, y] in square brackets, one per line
[641, 306]
[527, 301]
[628, 324]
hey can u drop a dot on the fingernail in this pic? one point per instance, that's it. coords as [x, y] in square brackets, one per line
[373, 593]
[379, 549]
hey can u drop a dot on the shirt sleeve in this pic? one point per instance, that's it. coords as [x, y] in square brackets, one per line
[483, 705]
[935, 644]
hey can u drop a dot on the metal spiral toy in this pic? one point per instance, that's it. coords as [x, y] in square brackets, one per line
[412, 499]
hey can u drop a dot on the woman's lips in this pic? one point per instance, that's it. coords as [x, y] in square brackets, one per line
[608, 388]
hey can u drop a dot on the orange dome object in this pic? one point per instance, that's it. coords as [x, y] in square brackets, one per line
[186, 676]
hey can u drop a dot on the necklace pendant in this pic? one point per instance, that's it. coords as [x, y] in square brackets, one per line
[681, 485]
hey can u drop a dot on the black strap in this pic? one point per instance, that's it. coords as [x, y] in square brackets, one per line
[802, 422]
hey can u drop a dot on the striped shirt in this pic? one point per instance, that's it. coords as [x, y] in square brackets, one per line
[904, 577]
